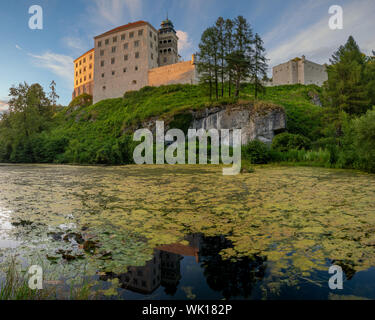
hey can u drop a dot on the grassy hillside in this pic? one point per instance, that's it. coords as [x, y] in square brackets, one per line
[95, 133]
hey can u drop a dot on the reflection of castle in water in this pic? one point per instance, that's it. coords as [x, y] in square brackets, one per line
[231, 279]
[163, 269]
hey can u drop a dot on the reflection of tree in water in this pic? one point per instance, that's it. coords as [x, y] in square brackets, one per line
[232, 279]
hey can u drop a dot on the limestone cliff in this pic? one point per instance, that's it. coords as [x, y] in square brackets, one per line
[258, 120]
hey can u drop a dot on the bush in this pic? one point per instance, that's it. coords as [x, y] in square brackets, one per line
[359, 143]
[84, 100]
[256, 152]
[287, 141]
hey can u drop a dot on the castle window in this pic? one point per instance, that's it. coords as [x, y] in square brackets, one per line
[136, 43]
[150, 34]
[104, 87]
[84, 69]
[76, 65]
[90, 56]
[80, 71]
[161, 42]
[131, 35]
[106, 41]
[124, 70]
[90, 66]
[161, 51]
[77, 82]
[99, 43]
[165, 60]
[169, 41]
[90, 76]
[113, 49]
[140, 32]
[102, 75]
[137, 55]
[165, 50]
[134, 81]
[123, 36]
[126, 46]
[126, 57]
[151, 45]
[101, 53]
[77, 74]
[152, 56]
[136, 68]
[113, 61]
[80, 80]
[113, 73]
[155, 38]
[84, 60]
[114, 39]
[84, 78]
[80, 63]
[102, 63]
[165, 41]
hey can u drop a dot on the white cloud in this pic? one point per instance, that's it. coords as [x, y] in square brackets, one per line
[60, 65]
[184, 43]
[115, 12]
[74, 43]
[18, 47]
[317, 42]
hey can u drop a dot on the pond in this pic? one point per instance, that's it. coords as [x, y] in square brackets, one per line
[188, 232]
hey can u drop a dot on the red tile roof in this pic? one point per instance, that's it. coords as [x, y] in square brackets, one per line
[125, 27]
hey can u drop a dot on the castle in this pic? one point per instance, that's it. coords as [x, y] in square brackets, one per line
[299, 71]
[129, 58]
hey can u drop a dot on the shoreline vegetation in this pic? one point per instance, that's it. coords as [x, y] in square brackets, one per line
[332, 126]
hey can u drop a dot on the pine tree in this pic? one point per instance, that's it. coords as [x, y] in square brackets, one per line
[346, 89]
[259, 70]
[221, 37]
[229, 48]
[239, 61]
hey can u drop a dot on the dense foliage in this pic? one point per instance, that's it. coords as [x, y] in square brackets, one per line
[340, 134]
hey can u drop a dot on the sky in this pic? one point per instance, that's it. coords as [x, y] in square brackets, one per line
[289, 28]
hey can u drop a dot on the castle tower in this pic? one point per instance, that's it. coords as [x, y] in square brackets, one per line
[168, 44]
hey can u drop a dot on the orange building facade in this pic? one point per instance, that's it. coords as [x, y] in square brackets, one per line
[84, 74]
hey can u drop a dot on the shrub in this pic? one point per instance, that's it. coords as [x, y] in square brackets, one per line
[287, 141]
[256, 152]
[359, 143]
[84, 100]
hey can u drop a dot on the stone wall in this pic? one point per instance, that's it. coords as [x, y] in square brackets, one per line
[179, 73]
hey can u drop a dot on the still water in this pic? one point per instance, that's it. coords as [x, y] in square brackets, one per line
[187, 232]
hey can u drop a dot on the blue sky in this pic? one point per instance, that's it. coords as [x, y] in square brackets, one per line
[289, 28]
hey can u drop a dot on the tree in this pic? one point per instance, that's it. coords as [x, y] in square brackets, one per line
[30, 112]
[221, 37]
[229, 48]
[260, 66]
[240, 61]
[53, 96]
[346, 89]
[208, 59]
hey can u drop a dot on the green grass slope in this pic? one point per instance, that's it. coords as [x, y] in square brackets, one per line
[95, 133]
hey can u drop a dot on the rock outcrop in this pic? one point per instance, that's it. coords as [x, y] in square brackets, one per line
[258, 121]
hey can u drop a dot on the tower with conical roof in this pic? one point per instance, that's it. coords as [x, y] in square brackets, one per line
[168, 44]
